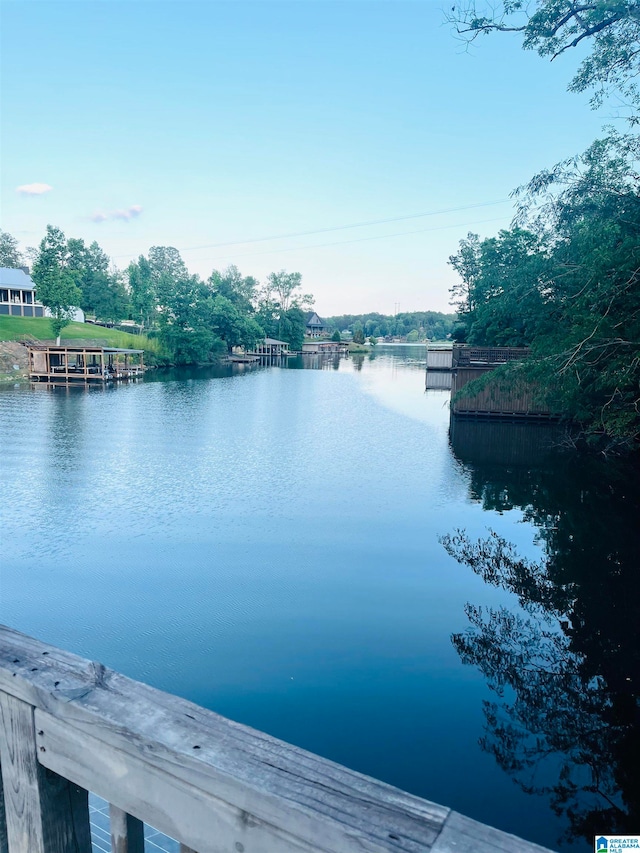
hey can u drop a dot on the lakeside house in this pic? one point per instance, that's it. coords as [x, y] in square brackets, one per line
[18, 293]
[315, 327]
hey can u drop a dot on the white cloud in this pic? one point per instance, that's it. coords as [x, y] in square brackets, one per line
[33, 189]
[125, 214]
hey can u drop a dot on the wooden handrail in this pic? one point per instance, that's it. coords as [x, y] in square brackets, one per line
[464, 356]
[70, 725]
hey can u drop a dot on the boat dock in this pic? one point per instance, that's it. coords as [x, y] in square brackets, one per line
[457, 366]
[70, 726]
[66, 364]
[271, 348]
[439, 357]
[497, 399]
[325, 348]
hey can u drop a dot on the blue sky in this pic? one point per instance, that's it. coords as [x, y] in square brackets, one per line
[196, 124]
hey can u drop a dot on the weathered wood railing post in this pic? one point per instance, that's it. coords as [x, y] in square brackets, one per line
[4, 844]
[44, 812]
[127, 833]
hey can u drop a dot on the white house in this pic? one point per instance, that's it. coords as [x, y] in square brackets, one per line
[18, 294]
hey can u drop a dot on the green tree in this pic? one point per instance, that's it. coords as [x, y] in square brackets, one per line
[10, 255]
[466, 262]
[291, 327]
[268, 315]
[507, 294]
[460, 332]
[431, 324]
[588, 356]
[185, 344]
[280, 308]
[231, 325]
[568, 285]
[55, 279]
[102, 288]
[607, 31]
[180, 300]
[184, 330]
[336, 336]
[166, 268]
[144, 302]
[240, 290]
[284, 288]
[116, 304]
[358, 334]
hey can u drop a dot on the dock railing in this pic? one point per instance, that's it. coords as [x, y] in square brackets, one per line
[466, 356]
[70, 725]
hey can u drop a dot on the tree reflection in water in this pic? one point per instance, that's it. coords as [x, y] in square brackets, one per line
[565, 667]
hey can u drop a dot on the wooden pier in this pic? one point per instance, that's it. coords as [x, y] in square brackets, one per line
[439, 357]
[70, 725]
[319, 347]
[65, 364]
[497, 399]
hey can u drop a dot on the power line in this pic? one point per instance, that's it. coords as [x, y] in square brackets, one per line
[357, 240]
[338, 227]
[344, 227]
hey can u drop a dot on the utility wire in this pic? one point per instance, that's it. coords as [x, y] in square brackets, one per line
[338, 227]
[357, 240]
[344, 227]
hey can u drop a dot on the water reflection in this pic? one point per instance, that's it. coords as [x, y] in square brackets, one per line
[314, 361]
[196, 373]
[565, 666]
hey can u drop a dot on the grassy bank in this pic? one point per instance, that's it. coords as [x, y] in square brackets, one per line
[26, 328]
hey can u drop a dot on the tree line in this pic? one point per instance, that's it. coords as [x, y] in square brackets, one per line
[564, 279]
[413, 325]
[195, 320]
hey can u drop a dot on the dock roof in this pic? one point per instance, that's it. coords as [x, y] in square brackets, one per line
[81, 348]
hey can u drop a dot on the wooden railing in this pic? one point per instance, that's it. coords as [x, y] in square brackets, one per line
[69, 726]
[464, 356]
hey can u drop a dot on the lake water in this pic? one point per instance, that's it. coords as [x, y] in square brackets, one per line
[267, 542]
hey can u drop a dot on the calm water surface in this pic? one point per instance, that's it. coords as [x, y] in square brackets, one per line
[266, 542]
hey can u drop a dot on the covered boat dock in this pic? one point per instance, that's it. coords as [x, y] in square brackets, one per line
[83, 363]
[271, 347]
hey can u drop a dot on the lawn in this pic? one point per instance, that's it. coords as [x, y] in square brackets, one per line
[25, 328]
